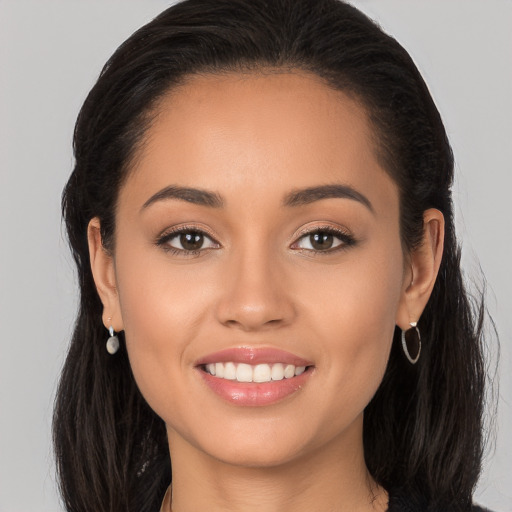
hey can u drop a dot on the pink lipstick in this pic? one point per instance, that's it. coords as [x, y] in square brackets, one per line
[254, 377]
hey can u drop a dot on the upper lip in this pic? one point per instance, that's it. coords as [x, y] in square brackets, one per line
[253, 356]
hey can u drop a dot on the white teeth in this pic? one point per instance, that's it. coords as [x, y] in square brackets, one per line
[242, 372]
[261, 373]
[230, 371]
[277, 371]
[289, 371]
[219, 370]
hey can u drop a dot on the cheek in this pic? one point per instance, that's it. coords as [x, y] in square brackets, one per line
[355, 316]
[161, 310]
[361, 296]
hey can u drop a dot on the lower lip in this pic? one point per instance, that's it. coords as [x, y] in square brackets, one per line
[255, 393]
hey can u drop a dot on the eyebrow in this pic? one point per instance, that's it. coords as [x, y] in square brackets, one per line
[188, 194]
[306, 196]
[295, 198]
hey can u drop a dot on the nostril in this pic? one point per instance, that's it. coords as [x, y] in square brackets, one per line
[252, 322]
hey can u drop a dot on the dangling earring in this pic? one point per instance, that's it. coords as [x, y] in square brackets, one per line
[112, 342]
[411, 343]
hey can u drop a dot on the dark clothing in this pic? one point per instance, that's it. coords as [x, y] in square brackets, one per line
[403, 503]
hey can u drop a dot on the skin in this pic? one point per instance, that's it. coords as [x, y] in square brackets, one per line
[253, 139]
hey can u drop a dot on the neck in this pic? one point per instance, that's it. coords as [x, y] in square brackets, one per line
[331, 478]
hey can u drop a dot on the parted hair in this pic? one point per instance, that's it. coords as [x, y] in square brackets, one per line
[423, 428]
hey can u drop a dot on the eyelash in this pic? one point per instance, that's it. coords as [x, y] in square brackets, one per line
[347, 240]
[164, 239]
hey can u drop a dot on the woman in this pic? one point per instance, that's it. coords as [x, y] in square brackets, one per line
[271, 295]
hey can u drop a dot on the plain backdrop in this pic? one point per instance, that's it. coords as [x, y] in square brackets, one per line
[51, 52]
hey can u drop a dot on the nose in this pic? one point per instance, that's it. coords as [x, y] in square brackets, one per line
[255, 294]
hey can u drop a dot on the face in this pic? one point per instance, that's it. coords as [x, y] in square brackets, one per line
[258, 238]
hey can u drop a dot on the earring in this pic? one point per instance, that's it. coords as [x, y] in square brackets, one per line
[112, 342]
[411, 343]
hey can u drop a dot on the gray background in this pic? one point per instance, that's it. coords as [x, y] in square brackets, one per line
[51, 52]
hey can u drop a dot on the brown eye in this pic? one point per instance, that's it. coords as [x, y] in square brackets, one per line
[191, 241]
[324, 240]
[187, 241]
[321, 240]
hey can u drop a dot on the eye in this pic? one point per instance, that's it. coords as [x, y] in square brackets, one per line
[186, 241]
[325, 239]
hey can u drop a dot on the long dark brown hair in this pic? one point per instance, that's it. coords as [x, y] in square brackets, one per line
[422, 430]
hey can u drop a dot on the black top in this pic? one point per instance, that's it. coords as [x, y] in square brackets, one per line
[402, 503]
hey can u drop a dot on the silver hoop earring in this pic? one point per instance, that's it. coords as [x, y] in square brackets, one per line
[112, 342]
[411, 343]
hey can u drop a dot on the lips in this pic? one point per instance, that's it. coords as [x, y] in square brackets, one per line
[254, 377]
[250, 355]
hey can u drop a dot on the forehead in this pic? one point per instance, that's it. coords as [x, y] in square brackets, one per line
[260, 108]
[263, 131]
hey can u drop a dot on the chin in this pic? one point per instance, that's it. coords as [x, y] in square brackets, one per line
[267, 444]
[258, 457]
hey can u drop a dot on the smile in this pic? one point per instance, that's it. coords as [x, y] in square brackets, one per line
[242, 372]
[248, 376]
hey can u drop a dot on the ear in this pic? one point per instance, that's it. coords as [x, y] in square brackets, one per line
[424, 263]
[103, 271]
